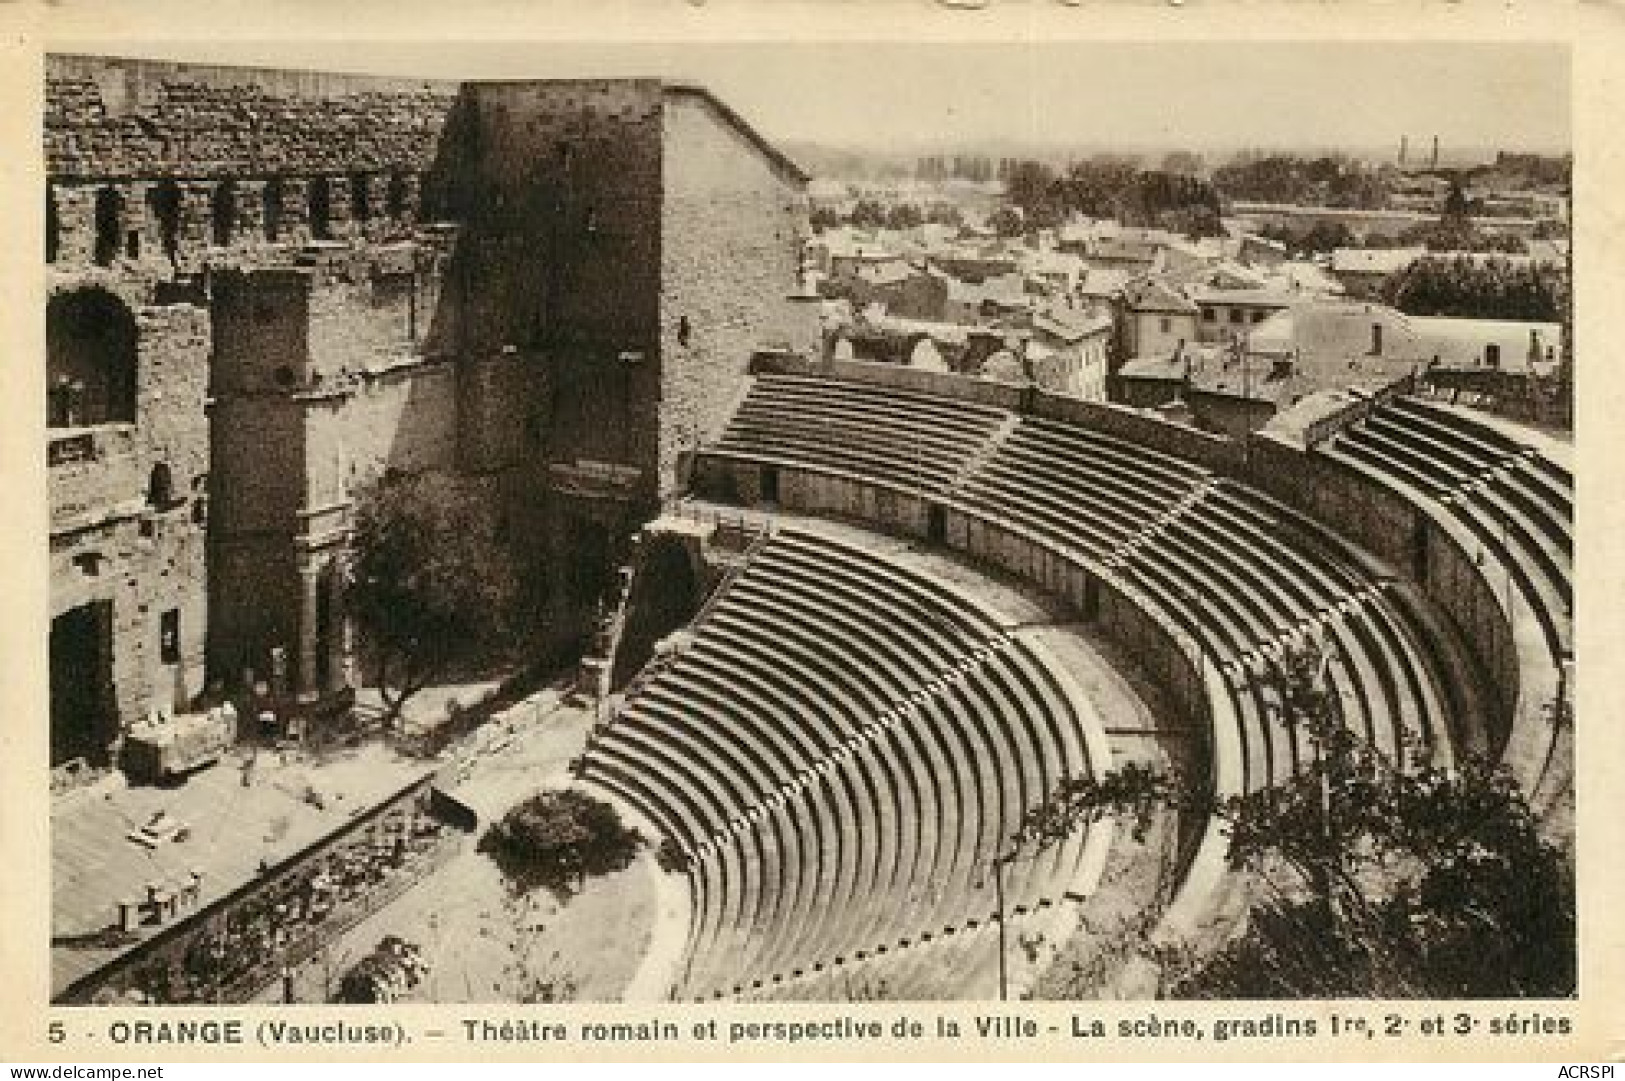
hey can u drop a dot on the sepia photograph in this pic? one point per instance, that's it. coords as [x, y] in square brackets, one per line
[820, 522]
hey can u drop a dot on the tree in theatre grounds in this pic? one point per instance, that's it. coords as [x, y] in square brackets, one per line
[1374, 877]
[428, 588]
[556, 839]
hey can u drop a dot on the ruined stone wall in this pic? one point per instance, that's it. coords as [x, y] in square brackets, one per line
[729, 264]
[371, 309]
[191, 195]
[559, 188]
[126, 118]
[261, 362]
[122, 534]
[261, 332]
[402, 419]
[551, 303]
[365, 274]
[558, 185]
[319, 387]
[258, 488]
[501, 423]
[142, 567]
[182, 226]
[157, 167]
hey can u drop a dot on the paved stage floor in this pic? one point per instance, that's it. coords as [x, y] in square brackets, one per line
[232, 828]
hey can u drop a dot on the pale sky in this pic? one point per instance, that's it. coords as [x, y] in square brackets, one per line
[888, 95]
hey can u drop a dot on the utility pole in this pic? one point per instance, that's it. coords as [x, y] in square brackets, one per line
[998, 892]
[1246, 379]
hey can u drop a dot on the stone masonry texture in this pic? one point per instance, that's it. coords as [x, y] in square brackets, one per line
[329, 276]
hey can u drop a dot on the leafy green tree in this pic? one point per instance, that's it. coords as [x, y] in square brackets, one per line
[1115, 187]
[868, 214]
[1031, 188]
[1271, 178]
[1171, 201]
[822, 218]
[1007, 221]
[1460, 234]
[1359, 188]
[1455, 213]
[557, 839]
[1456, 231]
[1487, 288]
[1327, 236]
[1332, 180]
[1095, 187]
[671, 856]
[394, 966]
[904, 216]
[1375, 877]
[427, 585]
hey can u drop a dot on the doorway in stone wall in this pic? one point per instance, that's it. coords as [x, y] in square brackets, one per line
[329, 628]
[83, 717]
[591, 562]
[936, 524]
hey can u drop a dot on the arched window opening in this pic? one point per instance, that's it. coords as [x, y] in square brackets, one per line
[223, 212]
[165, 201]
[109, 214]
[160, 486]
[360, 204]
[271, 209]
[321, 225]
[90, 346]
[53, 227]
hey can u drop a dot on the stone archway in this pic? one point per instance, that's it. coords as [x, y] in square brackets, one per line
[90, 350]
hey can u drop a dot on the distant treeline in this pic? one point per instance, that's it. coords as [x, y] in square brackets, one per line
[1453, 231]
[1478, 289]
[962, 167]
[875, 214]
[1334, 180]
[1117, 188]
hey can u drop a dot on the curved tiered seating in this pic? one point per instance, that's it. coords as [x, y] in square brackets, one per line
[917, 442]
[918, 758]
[1076, 489]
[773, 681]
[1217, 558]
[1517, 503]
[919, 813]
[839, 812]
